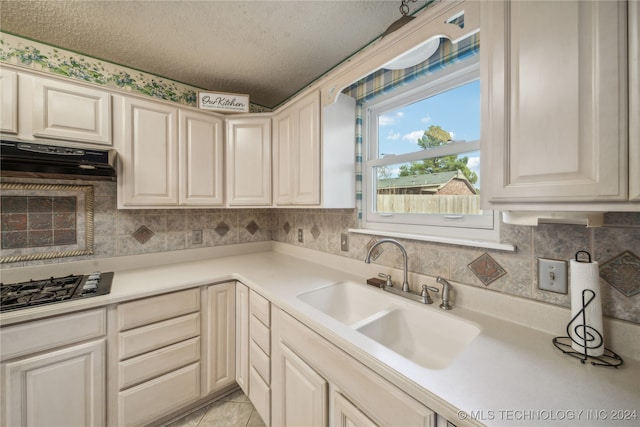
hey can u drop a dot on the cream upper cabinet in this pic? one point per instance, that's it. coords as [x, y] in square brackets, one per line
[248, 161]
[338, 160]
[71, 112]
[296, 147]
[169, 157]
[41, 108]
[201, 159]
[314, 153]
[555, 105]
[8, 101]
[146, 136]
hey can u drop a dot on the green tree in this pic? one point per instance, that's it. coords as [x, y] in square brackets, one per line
[435, 136]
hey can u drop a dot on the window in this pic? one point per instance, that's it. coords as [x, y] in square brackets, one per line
[422, 157]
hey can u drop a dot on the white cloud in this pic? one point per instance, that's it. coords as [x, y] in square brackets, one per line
[414, 136]
[390, 119]
[474, 164]
[452, 135]
[426, 119]
[392, 135]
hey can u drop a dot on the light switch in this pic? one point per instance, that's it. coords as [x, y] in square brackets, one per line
[552, 275]
[344, 242]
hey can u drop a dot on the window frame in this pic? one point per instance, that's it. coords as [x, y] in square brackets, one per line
[474, 227]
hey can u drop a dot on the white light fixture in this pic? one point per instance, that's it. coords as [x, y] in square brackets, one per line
[414, 56]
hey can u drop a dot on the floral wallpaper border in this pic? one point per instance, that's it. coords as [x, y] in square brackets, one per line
[41, 57]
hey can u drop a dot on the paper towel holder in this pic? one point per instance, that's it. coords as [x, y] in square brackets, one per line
[582, 260]
[609, 358]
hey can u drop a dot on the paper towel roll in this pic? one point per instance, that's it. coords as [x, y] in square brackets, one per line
[586, 321]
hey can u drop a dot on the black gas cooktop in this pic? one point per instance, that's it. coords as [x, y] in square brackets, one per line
[15, 296]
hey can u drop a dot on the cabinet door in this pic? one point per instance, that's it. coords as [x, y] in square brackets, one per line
[554, 100]
[219, 333]
[71, 112]
[248, 161]
[302, 399]
[282, 148]
[57, 388]
[346, 414]
[201, 161]
[148, 143]
[242, 337]
[296, 134]
[306, 151]
[8, 101]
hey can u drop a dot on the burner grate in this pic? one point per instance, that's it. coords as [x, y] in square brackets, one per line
[55, 289]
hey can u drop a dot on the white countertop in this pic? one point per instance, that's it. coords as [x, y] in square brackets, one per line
[509, 375]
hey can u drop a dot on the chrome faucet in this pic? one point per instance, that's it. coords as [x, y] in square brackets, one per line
[405, 283]
[446, 292]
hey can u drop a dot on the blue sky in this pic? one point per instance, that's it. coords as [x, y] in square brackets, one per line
[456, 111]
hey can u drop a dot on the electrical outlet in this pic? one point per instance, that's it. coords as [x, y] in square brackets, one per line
[552, 275]
[344, 242]
[300, 236]
[196, 237]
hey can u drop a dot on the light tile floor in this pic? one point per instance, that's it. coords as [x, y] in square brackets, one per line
[233, 410]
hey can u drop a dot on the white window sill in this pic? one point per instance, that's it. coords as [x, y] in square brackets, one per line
[450, 240]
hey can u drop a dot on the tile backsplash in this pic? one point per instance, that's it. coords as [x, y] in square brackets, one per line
[616, 245]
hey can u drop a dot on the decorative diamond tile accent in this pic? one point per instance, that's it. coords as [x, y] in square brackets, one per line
[142, 234]
[376, 252]
[252, 227]
[315, 231]
[222, 229]
[287, 227]
[623, 273]
[486, 269]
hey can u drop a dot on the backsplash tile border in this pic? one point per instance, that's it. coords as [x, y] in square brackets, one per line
[84, 221]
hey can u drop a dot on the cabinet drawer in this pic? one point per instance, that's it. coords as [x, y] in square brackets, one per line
[158, 335]
[260, 334]
[260, 396]
[154, 309]
[259, 307]
[159, 362]
[26, 338]
[151, 400]
[260, 361]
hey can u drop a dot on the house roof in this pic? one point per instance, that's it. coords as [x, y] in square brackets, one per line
[431, 181]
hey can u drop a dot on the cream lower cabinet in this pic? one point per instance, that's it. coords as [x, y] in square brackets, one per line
[555, 108]
[253, 349]
[219, 337]
[172, 350]
[310, 372]
[54, 371]
[169, 157]
[242, 337]
[260, 355]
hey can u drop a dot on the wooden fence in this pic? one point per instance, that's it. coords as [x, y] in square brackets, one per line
[419, 203]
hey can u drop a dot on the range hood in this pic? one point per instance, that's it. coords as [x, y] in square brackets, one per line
[34, 159]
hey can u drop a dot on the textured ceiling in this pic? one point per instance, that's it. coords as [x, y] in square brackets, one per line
[267, 49]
